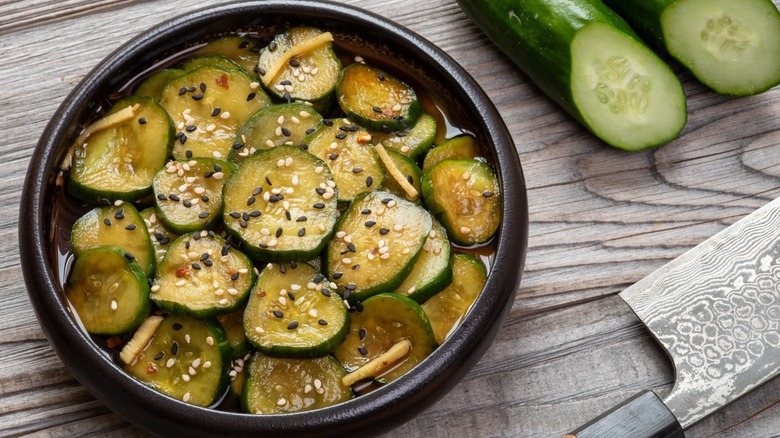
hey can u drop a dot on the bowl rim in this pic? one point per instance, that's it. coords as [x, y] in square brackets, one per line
[373, 413]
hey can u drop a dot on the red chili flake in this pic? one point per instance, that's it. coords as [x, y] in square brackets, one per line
[182, 270]
[151, 368]
[222, 81]
[113, 342]
[232, 271]
[261, 293]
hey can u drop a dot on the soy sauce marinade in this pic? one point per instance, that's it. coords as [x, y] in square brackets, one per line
[244, 52]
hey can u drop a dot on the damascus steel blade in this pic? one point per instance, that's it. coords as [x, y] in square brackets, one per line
[716, 311]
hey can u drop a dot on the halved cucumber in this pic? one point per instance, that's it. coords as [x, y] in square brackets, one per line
[385, 320]
[378, 239]
[186, 359]
[376, 99]
[218, 60]
[281, 203]
[277, 386]
[156, 82]
[287, 123]
[732, 47]
[432, 271]
[411, 141]
[461, 146]
[350, 156]
[409, 170]
[446, 309]
[464, 195]
[202, 276]
[243, 50]
[119, 161]
[300, 65]
[208, 105]
[109, 291]
[160, 235]
[188, 194]
[291, 313]
[121, 226]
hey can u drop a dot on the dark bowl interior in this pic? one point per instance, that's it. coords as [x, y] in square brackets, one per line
[467, 107]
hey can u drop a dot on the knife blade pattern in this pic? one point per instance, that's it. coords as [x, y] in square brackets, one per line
[716, 311]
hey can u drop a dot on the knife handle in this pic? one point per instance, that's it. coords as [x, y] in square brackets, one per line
[642, 416]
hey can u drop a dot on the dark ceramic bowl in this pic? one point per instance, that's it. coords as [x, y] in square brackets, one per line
[41, 225]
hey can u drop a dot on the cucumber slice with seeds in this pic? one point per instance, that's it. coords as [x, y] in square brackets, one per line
[233, 323]
[410, 171]
[464, 195]
[119, 162]
[349, 155]
[188, 194]
[155, 83]
[413, 141]
[291, 313]
[376, 99]
[281, 203]
[432, 271]
[446, 309]
[187, 359]
[300, 65]
[109, 291]
[378, 239]
[208, 106]
[277, 386]
[243, 50]
[202, 276]
[160, 235]
[461, 146]
[386, 319]
[218, 60]
[119, 225]
[273, 126]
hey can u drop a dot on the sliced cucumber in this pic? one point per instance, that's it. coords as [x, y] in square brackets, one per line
[202, 276]
[376, 99]
[378, 239]
[160, 235]
[272, 126]
[115, 225]
[243, 50]
[218, 60]
[461, 146]
[233, 323]
[109, 291]
[410, 171]
[299, 64]
[187, 359]
[586, 58]
[385, 320]
[291, 313]
[412, 141]
[464, 195]
[349, 155]
[119, 162]
[432, 271]
[208, 105]
[446, 309]
[732, 47]
[277, 386]
[154, 84]
[188, 194]
[281, 203]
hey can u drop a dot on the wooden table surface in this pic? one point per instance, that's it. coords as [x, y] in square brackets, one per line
[601, 219]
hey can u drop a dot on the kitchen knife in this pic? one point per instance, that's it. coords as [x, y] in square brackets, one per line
[716, 311]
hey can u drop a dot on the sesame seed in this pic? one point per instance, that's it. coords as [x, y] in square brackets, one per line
[278, 314]
[465, 230]
[293, 325]
[170, 363]
[362, 350]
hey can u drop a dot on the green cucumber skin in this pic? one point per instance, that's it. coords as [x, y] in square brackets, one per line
[536, 35]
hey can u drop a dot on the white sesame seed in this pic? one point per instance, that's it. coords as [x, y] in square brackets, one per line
[225, 115]
[288, 88]
[295, 180]
[280, 163]
[186, 397]
[171, 362]
[307, 389]
[466, 176]
[223, 302]
[385, 256]
[114, 305]
[311, 285]
[319, 169]
[259, 329]
[269, 143]
[384, 250]
[155, 288]
[295, 287]
[232, 291]
[340, 234]
[295, 120]
[216, 154]
[254, 85]
[288, 161]
[397, 107]
[210, 341]
[405, 251]
[313, 313]
[196, 363]
[192, 371]
[283, 301]
[465, 230]
[398, 227]
[346, 260]
[281, 402]
[187, 338]
[279, 87]
[181, 283]
[317, 383]
[218, 175]
[265, 232]
[280, 120]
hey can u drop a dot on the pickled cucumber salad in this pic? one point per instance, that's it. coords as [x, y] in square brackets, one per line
[275, 225]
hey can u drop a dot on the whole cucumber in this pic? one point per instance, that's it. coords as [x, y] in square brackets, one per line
[586, 58]
[731, 46]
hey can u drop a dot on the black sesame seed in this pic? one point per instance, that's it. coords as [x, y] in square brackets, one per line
[250, 200]
[142, 121]
[204, 215]
[283, 269]
[182, 90]
[325, 292]
[255, 213]
[295, 63]
[130, 227]
[196, 266]
[196, 235]
[215, 112]
[347, 294]
[225, 249]
[278, 314]
[344, 251]
[187, 244]
[365, 211]
[244, 44]
[165, 241]
[351, 247]
[359, 306]
[363, 350]
[380, 76]
[327, 122]
[175, 349]
[487, 193]
[107, 221]
[242, 223]
[322, 322]
[159, 236]
[291, 296]
[333, 156]
[318, 278]
[261, 71]
[187, 203]
[203, 87]
[120, 214]
[310, 130]
[245, 215]
[357, 169]
[293, 325]
[369, 181]
[162, 197]
[197, 96]
[208, 174]
[286, 96]
[355, 267]
[362, 333]
[337, 275]
[319, 205]
[204, 198]
[159, 355]
[410, 179]
[377, 109]
[285, 82]
[279, 232]
[234, 214]
[176, 326]
[384, 231]
[272, 46]
[235, 276]
[286, 132]
[345, 128]
[251, 96]
[293, 265]
[191, 88]
[268, 181]
[341, 136]
[129, 256]
[370, 224]
[174, 198]
[301, 219]
[238, 146]
[320, 190]
[217, 168]
[188, 153]
[386, 200]
[350, 286]
[183, 138]
[208, 262]
[257, 191]
[302, 232]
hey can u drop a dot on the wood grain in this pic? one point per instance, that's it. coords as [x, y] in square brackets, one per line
[601, 219]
